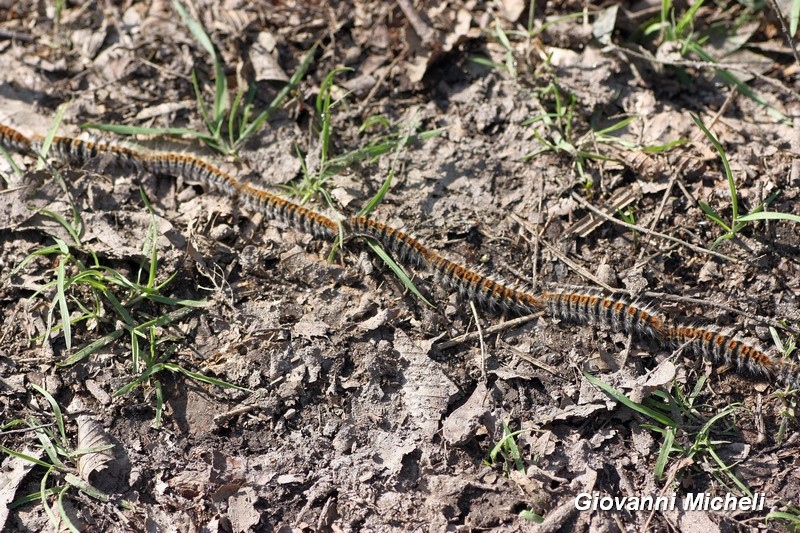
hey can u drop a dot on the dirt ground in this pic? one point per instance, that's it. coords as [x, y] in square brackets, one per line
[360, 407]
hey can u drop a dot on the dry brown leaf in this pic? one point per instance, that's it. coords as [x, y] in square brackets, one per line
[92, 435]
[14, 471]
[264, 58]
[460, 426]
[427, 390]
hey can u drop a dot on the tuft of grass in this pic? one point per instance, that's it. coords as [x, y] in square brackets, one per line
[229, 123]
[511, 64]
[507, 451]
[789, 518]
[315, 180]
[678, 31]
[90, 292]
[738, 222]
[684, 429]
[59, 459]
[557, 132]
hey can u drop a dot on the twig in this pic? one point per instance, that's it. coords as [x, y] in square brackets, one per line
[469, 337]
[424, 31]
[480, 338]
[646, 231]
[786, 33]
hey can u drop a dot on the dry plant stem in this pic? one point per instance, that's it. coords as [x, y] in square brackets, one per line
[794, 178]
[537, 233]
[480, 339]
[503, 326]
[422, 30]
[646, 231]
[786, 33]
[532, 360]
[561, 257]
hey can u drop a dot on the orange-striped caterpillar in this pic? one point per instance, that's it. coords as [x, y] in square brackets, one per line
[571, 304]
[720, 347]
[79, 152]
[191, 168]
[590, 306]
[290, 213]
[470, 284]
[14, 140]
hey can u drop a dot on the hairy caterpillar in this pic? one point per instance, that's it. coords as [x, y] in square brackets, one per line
[470, 284]
[567, 303]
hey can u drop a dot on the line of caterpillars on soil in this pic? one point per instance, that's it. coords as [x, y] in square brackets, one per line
[568, 304]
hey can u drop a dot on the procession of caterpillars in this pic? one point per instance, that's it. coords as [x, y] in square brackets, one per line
[568, 304]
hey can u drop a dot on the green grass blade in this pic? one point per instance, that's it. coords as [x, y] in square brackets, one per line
[770, 215]
[56, 411]
[397, 269]
[159, 403]
[24, 457]
[89, 349]
[149, 371]
[65, 521]
[138, 130]
[713, 215]
[48, 139]
[659, 148]
[374, 120]
[387, 183]
[663, 453]
[195, 304]
[627, 402]
[728, 173]
[14, 167]
[221, 82]
[202, 377]
[616, 126]
[201, 103]
[280, 97]
[43, 493]
[73, 233]
[62, 301]
[687, 20]
[49, 448]
[85, 487]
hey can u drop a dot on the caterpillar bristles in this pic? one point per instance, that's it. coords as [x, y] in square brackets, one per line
[591, 306]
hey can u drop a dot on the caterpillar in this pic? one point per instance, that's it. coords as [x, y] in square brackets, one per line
[290, 213]
[79, 152]
[14, 140]
[567, 303]
[191, 168]
[470, 284]
[720, 347]
[589, 306]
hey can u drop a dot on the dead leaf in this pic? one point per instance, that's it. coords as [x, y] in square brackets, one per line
[264, 58]
[460, 426]
[427, 390]
[512, 9]
[14, 471]
[241, 510]
[91, 435]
